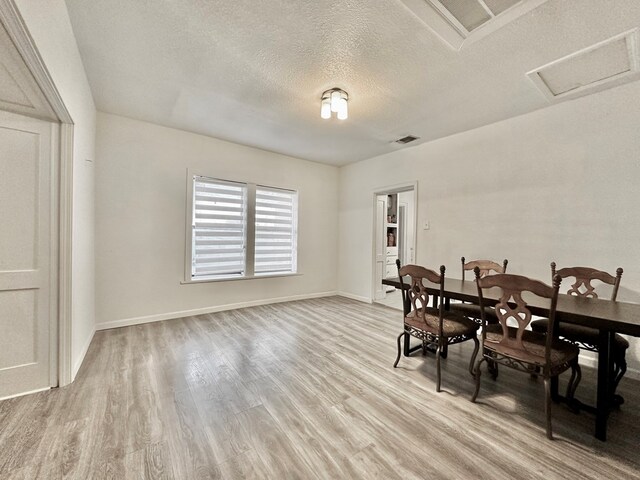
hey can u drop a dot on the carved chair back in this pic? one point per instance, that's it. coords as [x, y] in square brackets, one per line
[417, 293]
[485, 266]
[512, 306]
[583, 277]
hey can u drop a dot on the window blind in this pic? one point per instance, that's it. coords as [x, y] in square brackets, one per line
[219, 228]
[276, 231]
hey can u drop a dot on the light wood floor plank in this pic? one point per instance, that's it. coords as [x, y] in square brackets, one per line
[303, 390]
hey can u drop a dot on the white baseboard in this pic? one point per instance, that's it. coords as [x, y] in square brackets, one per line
[125, 322]
[590, 359]
[83, 353]
[355, 297]
[21, 394]
[633, 373]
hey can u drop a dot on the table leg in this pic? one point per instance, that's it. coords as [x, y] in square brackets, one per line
[605, 340]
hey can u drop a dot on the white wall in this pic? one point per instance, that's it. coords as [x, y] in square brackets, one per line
[557, 184]
[141, 203]
[49, 25]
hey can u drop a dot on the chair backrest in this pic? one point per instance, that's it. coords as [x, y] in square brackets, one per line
[485, 266]
[511, 305]
[417, 292]
[583, 277]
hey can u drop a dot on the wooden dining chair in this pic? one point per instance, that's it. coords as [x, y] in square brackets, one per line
[487, 267]
[586, 337]
[433, 326]
[510, 342]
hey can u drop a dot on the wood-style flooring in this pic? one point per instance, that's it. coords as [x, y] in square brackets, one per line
[299, 390]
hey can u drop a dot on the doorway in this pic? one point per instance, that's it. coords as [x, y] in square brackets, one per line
[36, 211]
[394, 238]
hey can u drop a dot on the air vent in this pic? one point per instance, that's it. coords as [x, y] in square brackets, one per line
[600, 66]
[459, 22]
[407, 139]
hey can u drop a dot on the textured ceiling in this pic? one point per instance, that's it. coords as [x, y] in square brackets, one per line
[253, 72]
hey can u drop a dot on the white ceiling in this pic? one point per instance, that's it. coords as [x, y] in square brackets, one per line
[253, 72]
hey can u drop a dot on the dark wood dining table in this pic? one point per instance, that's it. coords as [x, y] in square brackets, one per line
[606, 316]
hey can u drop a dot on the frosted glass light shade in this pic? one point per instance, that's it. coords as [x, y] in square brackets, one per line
[343, 109]
[325, 108]
[335, 100]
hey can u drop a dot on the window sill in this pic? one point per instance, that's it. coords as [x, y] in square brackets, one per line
[235, 279]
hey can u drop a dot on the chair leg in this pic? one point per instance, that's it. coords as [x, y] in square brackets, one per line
[576, 376]
[445, 350]
[547, 405]
[620, 369]
[438, 376]
[474, 355]
[492, 367]
[399, 349]
[478, 372]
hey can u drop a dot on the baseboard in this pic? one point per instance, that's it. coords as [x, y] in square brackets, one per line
[83, 353]
[21, 394]
[355, 297]
[126, 322]
[633, 373]
[590, 359]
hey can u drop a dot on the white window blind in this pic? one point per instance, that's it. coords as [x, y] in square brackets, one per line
[219, 228]
[276, 225]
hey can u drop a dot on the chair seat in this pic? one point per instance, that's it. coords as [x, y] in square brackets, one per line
[453, 323]
[562, 352]
[473, 311]
[579, 333]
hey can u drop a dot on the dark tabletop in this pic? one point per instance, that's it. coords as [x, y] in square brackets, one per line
[597, 313]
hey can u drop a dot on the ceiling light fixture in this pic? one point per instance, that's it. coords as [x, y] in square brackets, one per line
[335, 100]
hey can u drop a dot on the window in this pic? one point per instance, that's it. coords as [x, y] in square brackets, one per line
[241, 230]
[218, 228]
[275, 248]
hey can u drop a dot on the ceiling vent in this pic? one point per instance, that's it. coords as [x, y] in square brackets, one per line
[407, 139]
[459, 22]
[604, 65]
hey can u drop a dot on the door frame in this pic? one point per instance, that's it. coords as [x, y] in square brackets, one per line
[397, 188]
[378, 236]
[62, 159]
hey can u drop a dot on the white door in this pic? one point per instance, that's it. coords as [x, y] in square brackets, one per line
[26, 233]
[381, 253]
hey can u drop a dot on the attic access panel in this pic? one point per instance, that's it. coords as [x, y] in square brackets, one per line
[459, 22]
[473, 13]
[604, 65]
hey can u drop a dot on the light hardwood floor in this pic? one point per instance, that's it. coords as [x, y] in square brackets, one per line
[299, 390]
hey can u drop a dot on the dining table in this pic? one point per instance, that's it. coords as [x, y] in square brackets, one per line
[607, 316]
